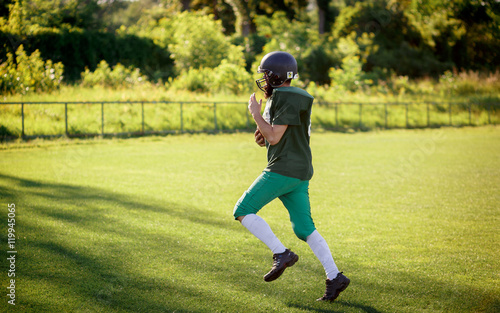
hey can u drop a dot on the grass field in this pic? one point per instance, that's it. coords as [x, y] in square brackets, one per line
[145, 224]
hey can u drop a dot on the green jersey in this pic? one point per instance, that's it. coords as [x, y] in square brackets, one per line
[291, 156]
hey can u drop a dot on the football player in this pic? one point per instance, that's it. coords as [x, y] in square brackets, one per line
[285, 129]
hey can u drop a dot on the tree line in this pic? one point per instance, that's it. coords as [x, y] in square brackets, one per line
[176, 40]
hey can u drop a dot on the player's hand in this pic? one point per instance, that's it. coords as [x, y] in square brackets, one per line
[254, 106]
[259, 139]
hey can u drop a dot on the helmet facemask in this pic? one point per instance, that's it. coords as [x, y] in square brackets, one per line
[269, 79]
[266, 84]
[262, 82]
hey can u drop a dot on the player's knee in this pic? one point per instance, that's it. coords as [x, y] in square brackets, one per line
[237, 211]
[301, 235]
[244, 206]
[302, 232]
[240, 209]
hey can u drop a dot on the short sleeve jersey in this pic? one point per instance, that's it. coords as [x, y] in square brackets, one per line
[291, 156]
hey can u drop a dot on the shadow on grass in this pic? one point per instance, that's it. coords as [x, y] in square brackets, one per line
[335, 307]
[85, 248]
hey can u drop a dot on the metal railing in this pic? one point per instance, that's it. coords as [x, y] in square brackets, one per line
[346, 115]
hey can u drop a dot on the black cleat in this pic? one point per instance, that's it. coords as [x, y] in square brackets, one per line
[335, 287]
[280, 263]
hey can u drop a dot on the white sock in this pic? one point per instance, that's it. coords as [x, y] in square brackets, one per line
[260, 229]
[322, 251]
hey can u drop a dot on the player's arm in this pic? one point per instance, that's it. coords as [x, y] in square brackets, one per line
[272, 133]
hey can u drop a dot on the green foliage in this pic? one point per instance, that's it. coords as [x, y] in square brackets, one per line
[314, 55]
[118, 77]
[285, 35]
[69, 32]
[79, 49]
[231, 78]
[350, 76]
[253, 45]
[226, 78]
[387, 38]
[30, 16]
[200, 42]
[396, 44]
[317, 61]
[469, 83]
[194, 79]
[29, 73]
[161, 31]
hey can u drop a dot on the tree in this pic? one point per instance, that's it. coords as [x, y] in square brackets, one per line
[30, 16]
[397, 43]
[244, 12]
[4, 7]
[464, 32]
[247, 10]
[479, 47]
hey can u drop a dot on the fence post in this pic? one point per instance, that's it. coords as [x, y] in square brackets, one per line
[385, 117]
[102, 119]
[406, 114]
[22, 119]
[215, 117]
[360, 114]
[66, 118]
[489, 115]
[428, 116]
[336, 115]
[142, 112]
[449, 109]
[182, 123]
[470, 119]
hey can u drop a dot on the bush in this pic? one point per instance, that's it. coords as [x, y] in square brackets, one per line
[226, 78]
[231, 78]
[350, 75]
[79, 49]
[119, 76]
[469, 83]
[199, 42]
[198, 80]
[29, 73]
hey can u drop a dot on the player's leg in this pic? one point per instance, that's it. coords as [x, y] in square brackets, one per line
[299, 208]
[336, 282]
[260, 193]
[265, 188]
[260, 229]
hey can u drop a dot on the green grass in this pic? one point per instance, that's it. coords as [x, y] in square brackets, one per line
[145, 224]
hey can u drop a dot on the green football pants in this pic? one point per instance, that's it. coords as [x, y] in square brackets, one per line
[293, 192]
